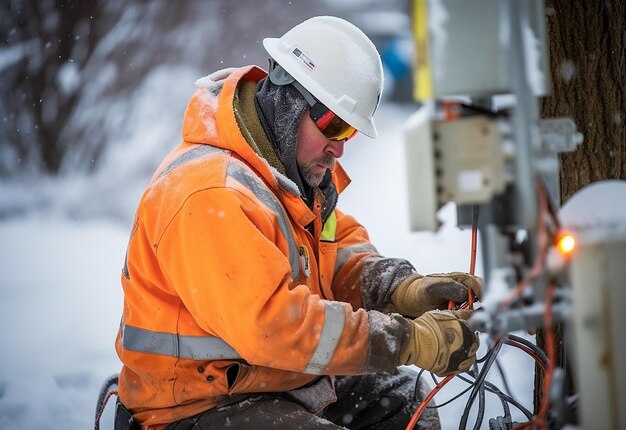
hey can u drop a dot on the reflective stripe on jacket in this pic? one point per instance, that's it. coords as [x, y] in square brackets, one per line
[225, 290]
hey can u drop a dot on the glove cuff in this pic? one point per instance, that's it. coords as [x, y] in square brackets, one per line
[423, 346]
[429, 347]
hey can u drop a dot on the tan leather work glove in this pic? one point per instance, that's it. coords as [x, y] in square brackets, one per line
[442, 342]
[417, 294]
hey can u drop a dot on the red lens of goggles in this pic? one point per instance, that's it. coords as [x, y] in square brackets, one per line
[331, 126]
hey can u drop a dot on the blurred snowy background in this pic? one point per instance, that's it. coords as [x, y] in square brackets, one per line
[91, 98]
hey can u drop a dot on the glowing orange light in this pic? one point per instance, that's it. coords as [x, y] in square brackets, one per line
[566, 244]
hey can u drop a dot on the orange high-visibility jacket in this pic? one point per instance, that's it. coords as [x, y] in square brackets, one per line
[227, 292]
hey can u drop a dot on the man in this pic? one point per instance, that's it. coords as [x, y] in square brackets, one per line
[249, 298]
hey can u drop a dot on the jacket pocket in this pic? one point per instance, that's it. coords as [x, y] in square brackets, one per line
[238, 377]
[243, 378]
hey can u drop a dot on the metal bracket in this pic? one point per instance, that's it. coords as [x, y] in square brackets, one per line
[559, 135]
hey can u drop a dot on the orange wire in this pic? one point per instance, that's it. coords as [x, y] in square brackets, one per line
[470, 300]
[418, 413]
[470, 296]
[540, 419]
[550, 352]
[473, 250]
[528, 351]
[534, 273]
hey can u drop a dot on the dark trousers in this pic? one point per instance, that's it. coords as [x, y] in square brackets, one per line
[378, 402]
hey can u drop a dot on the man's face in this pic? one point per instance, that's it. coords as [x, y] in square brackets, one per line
[315, 153]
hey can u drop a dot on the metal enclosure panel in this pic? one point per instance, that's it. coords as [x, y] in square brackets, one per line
[470, 47]
[420, 172]
[469, 161]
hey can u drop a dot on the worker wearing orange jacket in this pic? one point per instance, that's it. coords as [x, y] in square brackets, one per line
[247, 293]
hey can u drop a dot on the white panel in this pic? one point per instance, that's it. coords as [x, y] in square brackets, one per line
[470, 47]
[420, 172]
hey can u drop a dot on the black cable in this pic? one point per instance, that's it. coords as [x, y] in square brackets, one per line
[417, 384]
[508, 399]
[478, 386]
[506, 408]
[481, 360]
[481, 406]
[505, 405]
[481, 110]
[542, 355]
[505, 399]
[495, 390]
[491, 342]
[447, 402]
[475, 217]
[432, 376]
[479, 382]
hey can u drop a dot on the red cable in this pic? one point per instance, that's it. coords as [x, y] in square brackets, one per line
[551, 353]
[470, 296]
[528, 351]
[535, 271]
[418, 413]
[473, 249]
[470, 300]
[540, 419]
[104, 403]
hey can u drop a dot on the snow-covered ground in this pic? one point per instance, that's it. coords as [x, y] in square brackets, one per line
[60, 297]
[60, 305]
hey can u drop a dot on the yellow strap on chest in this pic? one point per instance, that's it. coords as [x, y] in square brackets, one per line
[330, 226]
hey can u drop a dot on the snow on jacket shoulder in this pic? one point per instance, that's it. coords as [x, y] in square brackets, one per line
[226, 292]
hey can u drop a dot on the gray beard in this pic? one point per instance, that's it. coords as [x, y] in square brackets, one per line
[314, 179]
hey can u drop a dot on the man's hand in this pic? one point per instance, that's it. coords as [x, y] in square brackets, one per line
[442, 342]
[417, 294]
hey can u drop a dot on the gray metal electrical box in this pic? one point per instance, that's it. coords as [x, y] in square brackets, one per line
[469, 47]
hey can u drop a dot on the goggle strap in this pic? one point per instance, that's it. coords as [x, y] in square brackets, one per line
[318, 111]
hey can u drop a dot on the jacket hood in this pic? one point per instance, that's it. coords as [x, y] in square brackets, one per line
[210, 119]
[209, 115]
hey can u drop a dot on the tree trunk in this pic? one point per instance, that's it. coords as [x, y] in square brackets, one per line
[587, 51]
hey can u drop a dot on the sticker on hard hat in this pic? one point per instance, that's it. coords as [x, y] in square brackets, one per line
[302, 57]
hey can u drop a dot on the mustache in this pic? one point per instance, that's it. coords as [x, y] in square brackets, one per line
[326, 160]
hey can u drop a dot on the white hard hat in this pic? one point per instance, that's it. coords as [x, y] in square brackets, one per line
[337, 63]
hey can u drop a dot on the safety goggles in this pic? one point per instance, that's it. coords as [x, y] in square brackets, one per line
[331, 126]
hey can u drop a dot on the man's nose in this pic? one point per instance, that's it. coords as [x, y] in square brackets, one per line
[335, 148]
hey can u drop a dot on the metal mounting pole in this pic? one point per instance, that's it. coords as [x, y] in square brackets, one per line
[525, 117]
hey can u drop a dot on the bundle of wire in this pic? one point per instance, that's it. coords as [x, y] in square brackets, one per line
[475, 377]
